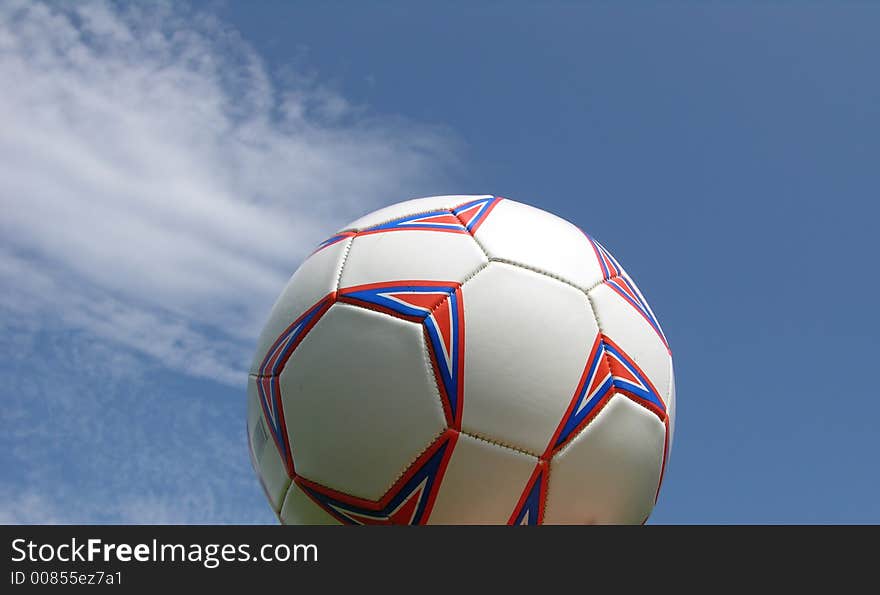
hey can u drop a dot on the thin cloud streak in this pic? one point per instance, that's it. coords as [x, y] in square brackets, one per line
[159, 188]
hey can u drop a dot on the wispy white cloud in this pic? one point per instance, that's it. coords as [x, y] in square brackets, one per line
[159, 187]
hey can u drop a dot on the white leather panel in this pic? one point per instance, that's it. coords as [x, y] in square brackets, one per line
[608, 473]
[359, 400]
[527, 341]
[299, 509]
[482, 484]
[411, 255]
[532, 237]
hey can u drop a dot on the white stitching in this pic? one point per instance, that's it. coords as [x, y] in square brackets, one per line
[344, 260]
[396, 479]
[495, 442]
[526, 267]
[284, 499]
[429, 370]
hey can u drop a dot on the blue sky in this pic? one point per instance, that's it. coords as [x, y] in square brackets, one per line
[166, 167]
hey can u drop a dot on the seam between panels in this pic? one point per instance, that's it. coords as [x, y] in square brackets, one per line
[287, 488]
[474, 273]
[549, 460]
[426, 356]
[345, 254]
[643, 406]
[258, 376]
[668, 383]
[472, 234]
[664, 394]
[429, 374]
[526, 267]
[602, 281]
[601, 410]
[478, 243]
[667, 392]
[414, 459]
[434, 380]
[595, 313]
[664, 454]
[495, 442]
[406, 468]
[549, 474]
[461, 285]
[288, 481]
[547, 493]
[559, 278]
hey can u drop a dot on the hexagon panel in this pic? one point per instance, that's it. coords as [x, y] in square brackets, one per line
[609, 473]
[524, 235]
[528, 339]
[482, 483]
[381, 401]
[411, 254]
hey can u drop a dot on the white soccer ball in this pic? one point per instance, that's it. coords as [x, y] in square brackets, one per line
[461, 359]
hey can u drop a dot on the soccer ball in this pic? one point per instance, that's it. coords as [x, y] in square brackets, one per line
[460, 360]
